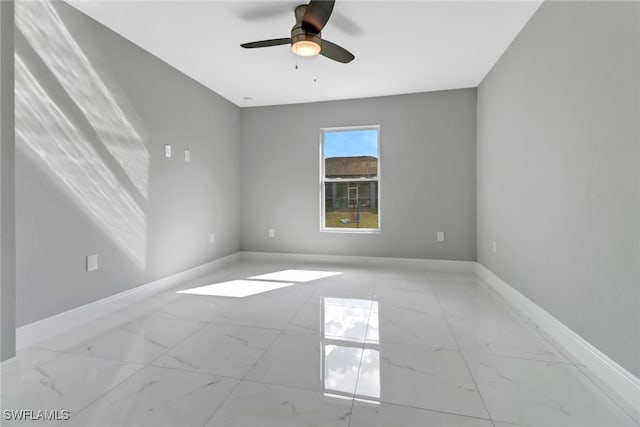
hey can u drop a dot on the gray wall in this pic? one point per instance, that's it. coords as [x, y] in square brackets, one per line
[7, 182]
[558, 170]
[91, 176]
[427, 166]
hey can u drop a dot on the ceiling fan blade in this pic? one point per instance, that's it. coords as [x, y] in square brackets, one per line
[266, 43]
[317, 15]
[335, 52]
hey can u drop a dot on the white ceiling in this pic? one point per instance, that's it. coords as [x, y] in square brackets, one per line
[400, 46]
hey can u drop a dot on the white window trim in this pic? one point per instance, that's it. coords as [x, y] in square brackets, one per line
[324, 229]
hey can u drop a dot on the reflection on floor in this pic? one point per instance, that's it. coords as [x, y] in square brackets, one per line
[368, 347]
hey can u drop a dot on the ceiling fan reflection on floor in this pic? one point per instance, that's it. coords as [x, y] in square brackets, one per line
[306, 38]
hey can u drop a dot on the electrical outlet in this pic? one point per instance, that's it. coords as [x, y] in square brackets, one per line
[92, 262]
[272, 232]
[167, 151]
[187, 155]
[440, 236]
[494, 246]
[212, 238]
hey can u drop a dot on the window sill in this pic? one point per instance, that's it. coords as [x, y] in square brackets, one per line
[351, 231]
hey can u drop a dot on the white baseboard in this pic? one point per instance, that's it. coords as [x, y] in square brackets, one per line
[44, 329]
[614, 376]
[362, 261]
[6, 363]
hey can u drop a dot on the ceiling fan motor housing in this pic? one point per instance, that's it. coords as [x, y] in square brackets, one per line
[298, 33]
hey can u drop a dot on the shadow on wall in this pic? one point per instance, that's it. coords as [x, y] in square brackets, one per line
[85, 142]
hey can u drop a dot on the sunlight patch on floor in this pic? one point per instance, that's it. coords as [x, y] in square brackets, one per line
[236, 288]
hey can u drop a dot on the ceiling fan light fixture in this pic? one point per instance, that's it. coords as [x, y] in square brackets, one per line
[306, 39]
[305, 48]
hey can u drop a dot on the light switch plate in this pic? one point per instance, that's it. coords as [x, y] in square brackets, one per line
[167, 151]
[212, 237]
[187, 155]
[92, 262]
[440, 236]
[272, 232]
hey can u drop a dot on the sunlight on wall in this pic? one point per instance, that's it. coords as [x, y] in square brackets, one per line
[49, 137]
[47, 34]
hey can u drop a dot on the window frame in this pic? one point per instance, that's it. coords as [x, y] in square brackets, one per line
[323, 180]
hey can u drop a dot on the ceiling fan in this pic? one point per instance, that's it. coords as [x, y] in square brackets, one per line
[306, 39]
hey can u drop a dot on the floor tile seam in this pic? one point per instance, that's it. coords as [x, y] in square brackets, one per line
[143, 367]
[557, 347]
[438, 411]
[366, 333]
[611, 398]
[290, 386]
[76, 348]
[267, 348]
[554, 344]
[103, 395]
[76, 343]
[522, 322]
[408, 309]
[464, 359]
[518, 314]
[222, 403]
[179, 342]
[239, 380]
[155, 315]
[37, 347]
[280, 332]
[102, 358]
[301, 331]
[294, 316]
[389, 402]
[84, 356]
[329, 294]
[214, 322]
[193, 371]
[508, 356]
[516, 320]
[382, 291]
[418, 346]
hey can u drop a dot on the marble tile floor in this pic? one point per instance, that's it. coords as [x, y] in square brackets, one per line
[366, 347]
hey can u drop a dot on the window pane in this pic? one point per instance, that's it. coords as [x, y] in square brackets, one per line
[351, 153]
[351, 204]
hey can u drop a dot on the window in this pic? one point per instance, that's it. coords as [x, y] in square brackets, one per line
[350, 179]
